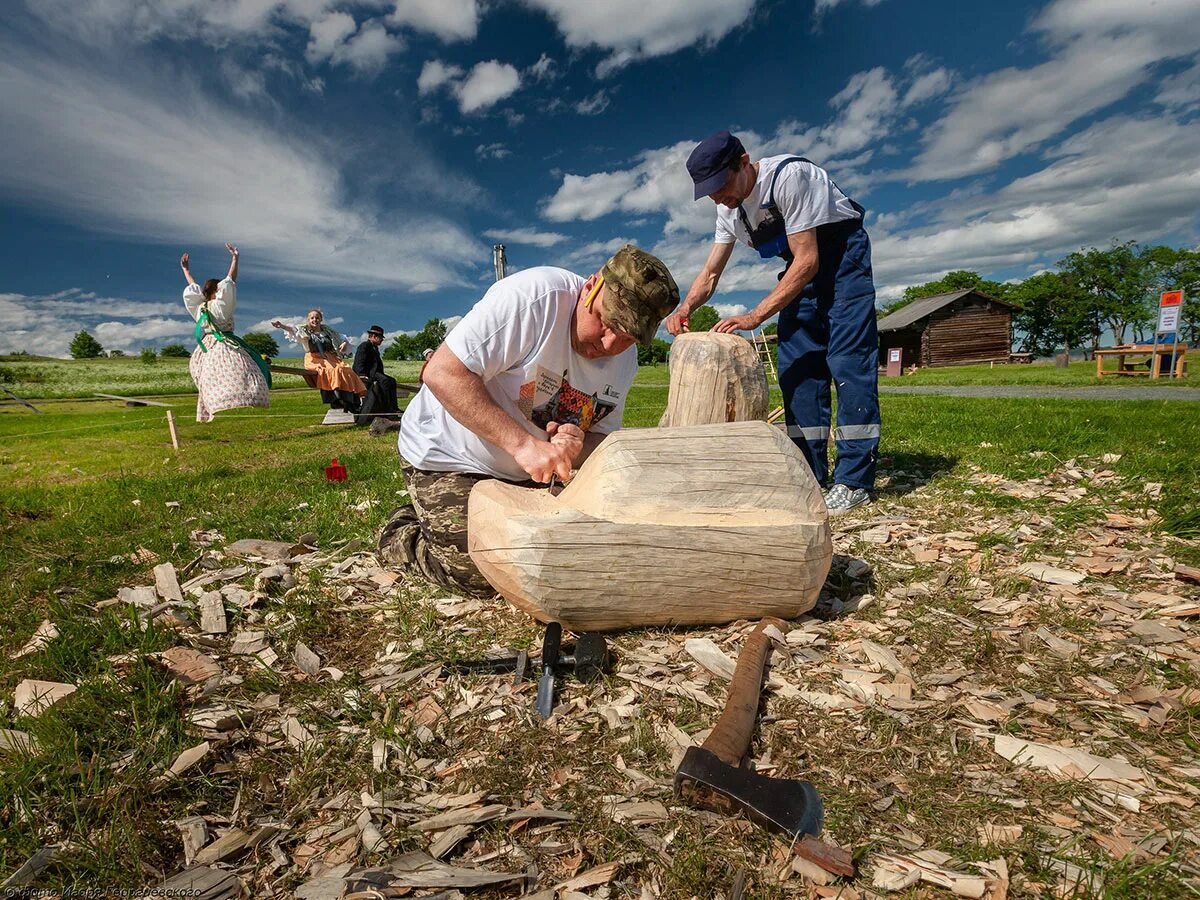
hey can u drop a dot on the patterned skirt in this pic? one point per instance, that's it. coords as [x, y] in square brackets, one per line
[333, 374]
[227, 378]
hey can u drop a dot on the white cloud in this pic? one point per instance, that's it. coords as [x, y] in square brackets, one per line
[1181, 91]
[634, 29]
[436, 73]
[131, 156]
[487, 84]
[593, 105]
[449, 19]
[928, 85]
[1123, 178]
[102, 22]
[529, 236]
[492, 151]
[823, 6]
[327, 33]
[1100, 50]
[544, 69]
[725, 310]
[44, 325]
[369, 50]
[365, 49]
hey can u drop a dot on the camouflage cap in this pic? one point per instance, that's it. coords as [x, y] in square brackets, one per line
[641, 293]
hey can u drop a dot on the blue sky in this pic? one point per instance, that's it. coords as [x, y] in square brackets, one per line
[366, 155]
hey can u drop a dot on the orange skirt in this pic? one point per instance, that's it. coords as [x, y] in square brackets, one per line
[333, 374]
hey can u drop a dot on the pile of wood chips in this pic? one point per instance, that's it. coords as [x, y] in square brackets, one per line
[1039, 674]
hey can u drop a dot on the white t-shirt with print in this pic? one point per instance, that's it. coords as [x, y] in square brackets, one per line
[804, 195]
[518, 340]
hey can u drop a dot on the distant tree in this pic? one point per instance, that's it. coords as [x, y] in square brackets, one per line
[703, 319]
[399, 348]
[84, 346]
[1119, 281]
[149, 357]
[1052, 314]
[959, 280]
[1173, 269]
[115, 354]
[176, 351]
[261, 342]
[430, 337]
[653, 355]
[773, 328]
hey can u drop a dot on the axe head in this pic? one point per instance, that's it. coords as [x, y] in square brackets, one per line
[786, 805]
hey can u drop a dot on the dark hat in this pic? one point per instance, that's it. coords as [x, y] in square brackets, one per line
[710, 161]
[641, 293]
[375, 329]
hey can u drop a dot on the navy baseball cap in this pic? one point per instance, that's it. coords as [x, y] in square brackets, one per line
[709, 163]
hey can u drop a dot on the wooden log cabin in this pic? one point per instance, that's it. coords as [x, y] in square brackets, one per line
[952, 329]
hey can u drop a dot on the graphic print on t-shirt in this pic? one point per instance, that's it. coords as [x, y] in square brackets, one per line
[551, 398]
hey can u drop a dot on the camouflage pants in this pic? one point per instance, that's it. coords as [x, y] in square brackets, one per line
[430, 537]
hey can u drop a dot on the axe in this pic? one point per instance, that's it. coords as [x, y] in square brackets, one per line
[714, 777]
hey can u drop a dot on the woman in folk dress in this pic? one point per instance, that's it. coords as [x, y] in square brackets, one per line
[226, 374]
[340, 385]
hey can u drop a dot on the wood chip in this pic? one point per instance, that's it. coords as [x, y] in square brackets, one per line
[454, 817]
[419, 869]
[212, 613]
[1049, 574]
[296, 734]
[591, 878]
[190, 666]
[449, 839]
[272, 551]
[999, 834]
[32, 698]
[45, 633]
[224, 848]
[193, 831]
[16, 741]
[166, 582]
[1067, 762]
[189, 758]
[643, 813]
[710, 656]
[306, 660]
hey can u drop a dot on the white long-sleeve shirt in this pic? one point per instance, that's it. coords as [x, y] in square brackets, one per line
[220, 308]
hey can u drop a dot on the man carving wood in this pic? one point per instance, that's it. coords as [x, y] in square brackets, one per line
[523, 389]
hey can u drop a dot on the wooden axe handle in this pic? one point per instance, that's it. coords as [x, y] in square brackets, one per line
[731, 737]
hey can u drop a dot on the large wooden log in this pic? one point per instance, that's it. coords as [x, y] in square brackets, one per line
[714, 378]
[661, 526]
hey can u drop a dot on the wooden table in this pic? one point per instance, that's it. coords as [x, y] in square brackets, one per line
[1155, 353]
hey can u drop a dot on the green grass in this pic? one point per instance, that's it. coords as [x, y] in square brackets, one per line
[43, 377]
[1078, 373]
[86, 486]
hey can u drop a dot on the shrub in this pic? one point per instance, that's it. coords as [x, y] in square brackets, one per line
[149, 357]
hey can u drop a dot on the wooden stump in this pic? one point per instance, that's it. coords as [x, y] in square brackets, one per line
[661, 526]
[715, 378]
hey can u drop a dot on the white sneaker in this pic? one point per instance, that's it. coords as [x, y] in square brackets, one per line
[842, 498]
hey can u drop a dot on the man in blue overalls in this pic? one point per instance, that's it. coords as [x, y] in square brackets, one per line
[787, 207]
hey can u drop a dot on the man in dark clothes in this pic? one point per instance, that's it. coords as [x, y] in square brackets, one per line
[381, 387]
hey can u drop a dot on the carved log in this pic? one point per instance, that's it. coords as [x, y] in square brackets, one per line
[714, 378]
[695, 525]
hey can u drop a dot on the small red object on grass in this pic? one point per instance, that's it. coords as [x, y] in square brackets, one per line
[335, 471]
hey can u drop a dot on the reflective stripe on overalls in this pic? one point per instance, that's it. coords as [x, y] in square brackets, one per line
[828, 333]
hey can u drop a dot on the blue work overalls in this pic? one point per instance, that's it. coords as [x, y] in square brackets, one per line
[828, 332]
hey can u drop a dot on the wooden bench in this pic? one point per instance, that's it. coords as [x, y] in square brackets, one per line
[310, 378]
[1152, 352]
